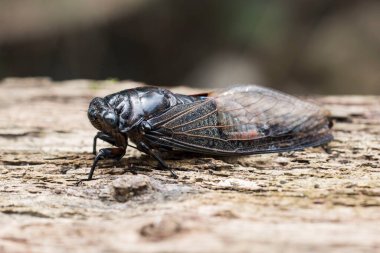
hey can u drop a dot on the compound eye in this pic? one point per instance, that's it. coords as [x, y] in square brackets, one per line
[92, 113]
[111, 119]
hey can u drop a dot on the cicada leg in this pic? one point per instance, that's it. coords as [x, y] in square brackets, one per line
[103, 137]
[144, 148]
[104, 153]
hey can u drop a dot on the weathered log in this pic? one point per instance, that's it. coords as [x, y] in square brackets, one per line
[318, 200]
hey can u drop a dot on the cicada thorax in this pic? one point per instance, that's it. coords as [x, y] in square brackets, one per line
[139, 104]
[133, 107]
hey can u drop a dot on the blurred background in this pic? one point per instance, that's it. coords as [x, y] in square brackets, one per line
[314, 46]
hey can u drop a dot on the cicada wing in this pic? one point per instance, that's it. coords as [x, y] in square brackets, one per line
[242, 120]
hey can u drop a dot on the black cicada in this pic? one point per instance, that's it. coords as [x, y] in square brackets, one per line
[243, 120]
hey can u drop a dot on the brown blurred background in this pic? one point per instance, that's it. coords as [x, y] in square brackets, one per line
[314, 46]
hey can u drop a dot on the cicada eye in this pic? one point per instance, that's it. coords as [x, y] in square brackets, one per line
[91, 113]
[95, 107]
[111, 119]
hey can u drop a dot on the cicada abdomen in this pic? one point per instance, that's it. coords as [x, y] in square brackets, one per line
[243, 120]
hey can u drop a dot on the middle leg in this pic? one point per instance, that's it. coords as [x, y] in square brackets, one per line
[144, 148]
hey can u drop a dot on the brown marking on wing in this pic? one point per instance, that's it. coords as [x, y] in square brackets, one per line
[240, 136]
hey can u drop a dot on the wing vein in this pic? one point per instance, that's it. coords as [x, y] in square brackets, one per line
[187, 123]
[186, 111]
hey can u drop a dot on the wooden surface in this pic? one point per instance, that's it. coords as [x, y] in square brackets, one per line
[309, 201]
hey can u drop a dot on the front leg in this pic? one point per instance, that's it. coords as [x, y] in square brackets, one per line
[104, 153]
[103, 137]
[144, 148]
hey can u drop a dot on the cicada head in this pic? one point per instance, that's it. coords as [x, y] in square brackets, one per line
[102, 116]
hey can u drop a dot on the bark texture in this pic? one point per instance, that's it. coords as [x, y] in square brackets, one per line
[310, 201]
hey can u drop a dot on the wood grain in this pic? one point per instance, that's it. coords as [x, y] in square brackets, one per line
[315, 200]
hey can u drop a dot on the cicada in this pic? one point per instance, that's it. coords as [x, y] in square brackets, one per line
[242, 120]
